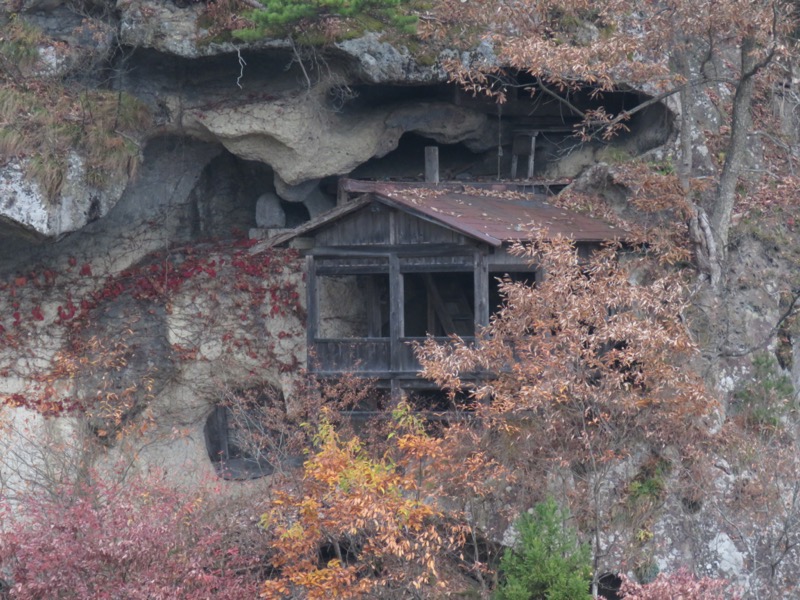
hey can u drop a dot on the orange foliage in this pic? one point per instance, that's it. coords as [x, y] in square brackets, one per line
[580, 372]
[357, 523]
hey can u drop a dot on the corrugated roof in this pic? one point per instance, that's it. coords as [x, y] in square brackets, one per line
[493, 216]
[496, 216]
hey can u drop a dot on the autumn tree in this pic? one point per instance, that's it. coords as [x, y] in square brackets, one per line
[681, 584]
[579, 375]
[676, 48]
[761, 507]
[359, 525]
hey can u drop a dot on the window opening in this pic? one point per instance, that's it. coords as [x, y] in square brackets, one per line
[353, 306]
[439, 303]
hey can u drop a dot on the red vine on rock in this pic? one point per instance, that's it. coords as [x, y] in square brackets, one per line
[205, 287]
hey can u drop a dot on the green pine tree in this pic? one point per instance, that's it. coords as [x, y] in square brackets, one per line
[547, 562]
[281, 16]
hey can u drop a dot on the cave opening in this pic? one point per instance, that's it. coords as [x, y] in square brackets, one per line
[248, 436]
[532, 135]
[407, 161]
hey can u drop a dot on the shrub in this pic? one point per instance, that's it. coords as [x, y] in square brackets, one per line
[680, 584]
[138, 539]
[767, 398]
[547, 560]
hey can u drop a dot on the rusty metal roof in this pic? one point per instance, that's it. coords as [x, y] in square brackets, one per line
[494, 214]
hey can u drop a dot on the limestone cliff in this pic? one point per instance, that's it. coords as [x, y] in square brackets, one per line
[170, 144]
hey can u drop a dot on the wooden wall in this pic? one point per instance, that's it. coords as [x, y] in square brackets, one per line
[377, 224]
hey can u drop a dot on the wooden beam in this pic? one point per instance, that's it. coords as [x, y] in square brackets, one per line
[438, 305]
[481, 281]
[431, 314]
[401, 250]
[530, 156]
[362, 187]
[396, 316]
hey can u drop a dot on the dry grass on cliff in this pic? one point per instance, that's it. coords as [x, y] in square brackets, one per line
[44, 120]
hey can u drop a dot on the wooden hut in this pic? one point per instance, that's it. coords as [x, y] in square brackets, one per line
[394, 262]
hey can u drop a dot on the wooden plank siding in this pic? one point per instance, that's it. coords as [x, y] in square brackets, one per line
[379, 225]
[360, 356]
[409, 229]
[368, 226]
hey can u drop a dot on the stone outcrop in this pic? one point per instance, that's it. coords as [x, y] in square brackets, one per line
[303, 140]
[306, 115]
[24, 204]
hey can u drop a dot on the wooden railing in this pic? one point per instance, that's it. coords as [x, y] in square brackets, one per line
[351, 355]
[366, 356]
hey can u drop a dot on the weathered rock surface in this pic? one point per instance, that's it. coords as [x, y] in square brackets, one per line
[269, 213]
[299, 114]
[23, 203]
[165, 27]
[303, 140]
[376, 61]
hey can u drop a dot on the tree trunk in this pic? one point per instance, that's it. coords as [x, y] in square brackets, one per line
[700, 231]
[720, 218]
[687, 121]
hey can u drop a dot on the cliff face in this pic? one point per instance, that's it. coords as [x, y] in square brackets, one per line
[299, 115]
[176, 140]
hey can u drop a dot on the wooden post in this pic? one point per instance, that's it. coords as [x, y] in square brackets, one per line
[530, 156]
[431, 164]
[481, 280]
[373, 308]
[396, 301]
[312, 309]
[431, 328]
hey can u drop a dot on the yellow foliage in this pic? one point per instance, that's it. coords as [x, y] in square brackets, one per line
[368, 509]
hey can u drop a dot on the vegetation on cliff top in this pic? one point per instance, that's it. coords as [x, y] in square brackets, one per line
[46, 120]
[340, 18]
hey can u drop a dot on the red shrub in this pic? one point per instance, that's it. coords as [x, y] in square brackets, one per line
[137, 539]
[682, 585]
